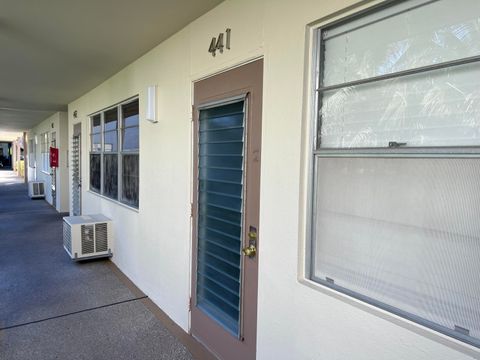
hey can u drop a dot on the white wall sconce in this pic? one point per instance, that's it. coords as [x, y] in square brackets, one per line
[151, 114]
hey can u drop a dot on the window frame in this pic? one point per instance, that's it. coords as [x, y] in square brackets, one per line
[122, 152]
[119, 152]
[96, 152]
[105, 153]
[32, 152]
[314, 151]
[45, 152]
[408, 151]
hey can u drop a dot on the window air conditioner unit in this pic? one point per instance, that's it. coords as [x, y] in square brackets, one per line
[87, 236]
[36, 189]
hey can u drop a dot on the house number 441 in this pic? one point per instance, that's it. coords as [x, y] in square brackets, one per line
[217, 43]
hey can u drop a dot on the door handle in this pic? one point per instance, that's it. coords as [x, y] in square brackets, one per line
[250, 251]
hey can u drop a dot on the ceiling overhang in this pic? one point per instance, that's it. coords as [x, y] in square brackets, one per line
[54, 51]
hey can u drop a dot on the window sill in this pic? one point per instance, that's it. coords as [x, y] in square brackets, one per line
[395, 319]
[116, 202]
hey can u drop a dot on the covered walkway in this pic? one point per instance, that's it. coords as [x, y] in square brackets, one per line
[53, 308]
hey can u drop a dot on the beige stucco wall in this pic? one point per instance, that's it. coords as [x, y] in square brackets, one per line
[153, 245]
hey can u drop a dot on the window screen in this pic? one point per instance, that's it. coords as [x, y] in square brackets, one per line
[130, 129]
[96, 135]
[110, 131]
[110, 177]
[397, 163]
[95, 172]
[130, 156]
[130, 179]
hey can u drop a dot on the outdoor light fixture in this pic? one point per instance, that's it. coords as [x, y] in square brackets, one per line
[151, 114]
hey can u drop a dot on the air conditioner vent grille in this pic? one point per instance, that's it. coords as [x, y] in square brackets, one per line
[38, 188]
[35, 189]
[87, 236]
[101, 237]
[87, 239]
[67, 237]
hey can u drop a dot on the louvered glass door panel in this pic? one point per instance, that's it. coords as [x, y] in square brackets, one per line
[220, 208]
[76, 175]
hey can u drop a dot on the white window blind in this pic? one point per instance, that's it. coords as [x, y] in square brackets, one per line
[404, 232]
[430, 108]
[399, 228]
[441, 108]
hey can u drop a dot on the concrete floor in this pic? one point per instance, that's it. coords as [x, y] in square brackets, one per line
[40, 288]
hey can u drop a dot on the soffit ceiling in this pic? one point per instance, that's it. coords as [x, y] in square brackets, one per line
[54, 51]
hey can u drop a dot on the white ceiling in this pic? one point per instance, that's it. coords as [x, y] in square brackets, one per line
[54, 51]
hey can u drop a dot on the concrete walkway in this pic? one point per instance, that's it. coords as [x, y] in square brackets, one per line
[53, 308]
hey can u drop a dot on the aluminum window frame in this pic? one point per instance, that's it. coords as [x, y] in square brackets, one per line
[316, 151]
[45, 151]
[31, 152]
[122, 152]
[105, 153]
[96, 152]
[319, 50]
[119, 152]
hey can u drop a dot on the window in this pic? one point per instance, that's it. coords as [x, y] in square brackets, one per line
[45, 150]
[31, 153]
[397, 162]
[95, 153]
[129, 153]
[114, 153]
[53, 140]
[110, 156]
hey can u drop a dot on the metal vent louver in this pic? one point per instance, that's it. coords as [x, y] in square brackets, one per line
[76, 203]
[88, 243]
[67, 237]
[101, 237]
[38, 189]
[87, 236]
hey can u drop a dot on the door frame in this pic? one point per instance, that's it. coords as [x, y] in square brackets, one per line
[248, 81]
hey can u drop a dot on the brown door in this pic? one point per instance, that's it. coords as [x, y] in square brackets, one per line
[227, 120]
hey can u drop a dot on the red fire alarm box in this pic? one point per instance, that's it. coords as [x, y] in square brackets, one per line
[53, 157]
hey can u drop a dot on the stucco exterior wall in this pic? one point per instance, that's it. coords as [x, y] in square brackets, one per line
[296, 319]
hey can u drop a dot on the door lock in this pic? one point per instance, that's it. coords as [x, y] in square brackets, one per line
[250, 251]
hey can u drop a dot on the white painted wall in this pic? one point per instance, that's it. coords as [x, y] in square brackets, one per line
[60, 126]
[297, 319]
